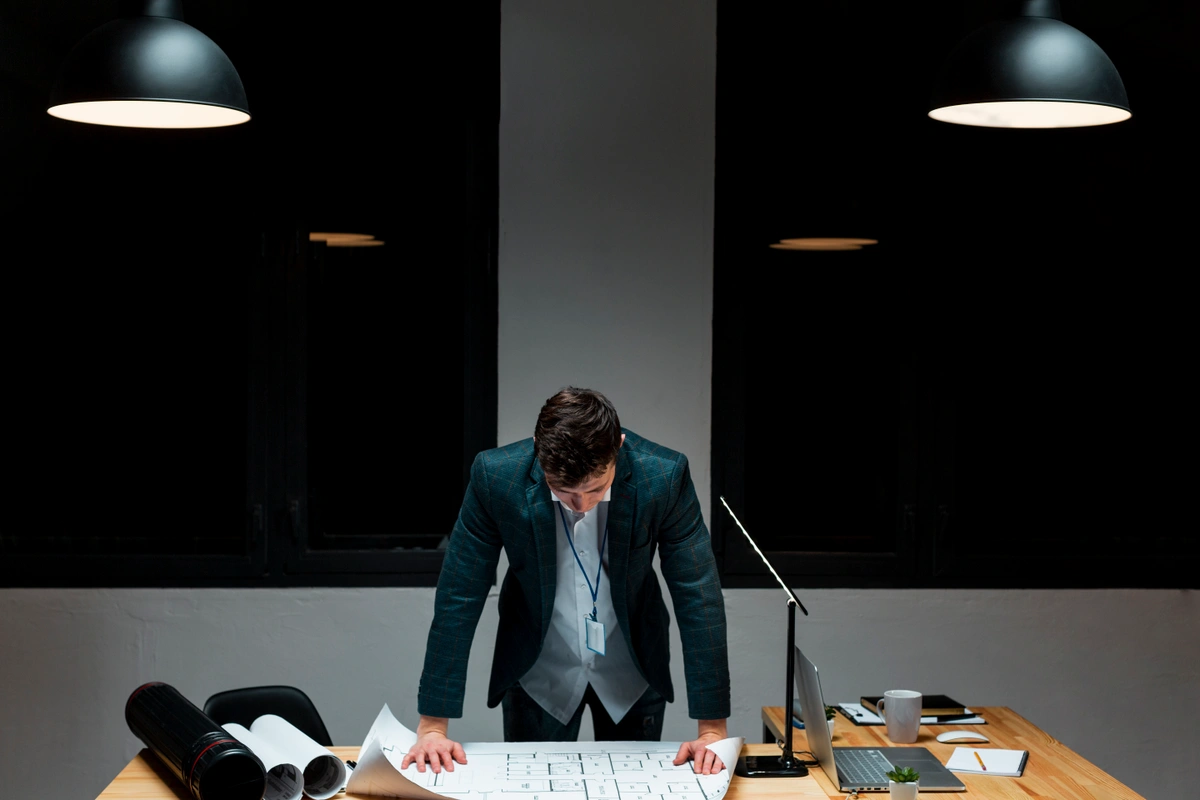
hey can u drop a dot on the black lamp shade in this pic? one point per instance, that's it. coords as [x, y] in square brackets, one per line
[1029, 72]
[150, 72]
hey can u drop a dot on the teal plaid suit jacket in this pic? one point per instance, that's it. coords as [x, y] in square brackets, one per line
[653, 508]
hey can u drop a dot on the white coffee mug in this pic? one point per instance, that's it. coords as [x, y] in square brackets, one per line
[901, 710]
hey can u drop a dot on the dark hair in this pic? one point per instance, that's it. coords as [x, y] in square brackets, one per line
[576, 436]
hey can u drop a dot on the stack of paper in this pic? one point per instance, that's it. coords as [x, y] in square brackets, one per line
[859, 715]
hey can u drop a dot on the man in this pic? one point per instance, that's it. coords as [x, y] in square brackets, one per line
[580, 509]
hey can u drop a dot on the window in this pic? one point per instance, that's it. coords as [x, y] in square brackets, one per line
[201, 396]
[862, 450]
[971, 402]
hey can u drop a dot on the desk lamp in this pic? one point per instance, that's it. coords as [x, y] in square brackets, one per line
[785, 765]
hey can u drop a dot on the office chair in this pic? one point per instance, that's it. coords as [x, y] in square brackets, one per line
[243, 706]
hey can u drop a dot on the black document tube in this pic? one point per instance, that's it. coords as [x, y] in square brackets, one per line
[211, 763]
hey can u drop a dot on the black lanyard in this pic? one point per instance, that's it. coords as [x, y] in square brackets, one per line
[599, 567]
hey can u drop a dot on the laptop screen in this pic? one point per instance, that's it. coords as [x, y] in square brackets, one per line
[934, 775]
[812, 704]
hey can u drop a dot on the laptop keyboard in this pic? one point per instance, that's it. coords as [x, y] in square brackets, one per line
[862, 767]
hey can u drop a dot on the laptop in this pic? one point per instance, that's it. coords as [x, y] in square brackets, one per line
[863, 768]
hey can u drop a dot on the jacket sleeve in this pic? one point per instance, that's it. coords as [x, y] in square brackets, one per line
[468, 571]
[690, 571]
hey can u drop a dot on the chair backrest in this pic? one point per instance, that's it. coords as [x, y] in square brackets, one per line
[243, 706]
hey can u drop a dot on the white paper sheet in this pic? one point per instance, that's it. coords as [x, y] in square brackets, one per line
[1010, 763]
[537, 770]
[285, 780]
[321, 773]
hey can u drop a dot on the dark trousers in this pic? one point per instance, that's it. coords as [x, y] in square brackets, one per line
[526, 721]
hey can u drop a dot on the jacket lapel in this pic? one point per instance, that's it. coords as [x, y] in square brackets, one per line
[540, 508]
[621, 505]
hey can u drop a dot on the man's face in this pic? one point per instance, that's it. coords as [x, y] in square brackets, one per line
[586, 495]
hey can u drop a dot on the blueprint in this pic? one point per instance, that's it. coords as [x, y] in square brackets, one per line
[536, 770]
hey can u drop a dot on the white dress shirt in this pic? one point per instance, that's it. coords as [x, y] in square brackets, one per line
[566, 665]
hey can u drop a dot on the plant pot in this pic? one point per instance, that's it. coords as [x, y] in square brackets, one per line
[903, 791]
[831, 720]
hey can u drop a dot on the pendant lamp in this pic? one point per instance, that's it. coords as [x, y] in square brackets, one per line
[1030, 71]
[149, 69]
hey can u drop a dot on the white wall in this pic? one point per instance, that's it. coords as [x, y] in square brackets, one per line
[605, 280]
[1080, 664]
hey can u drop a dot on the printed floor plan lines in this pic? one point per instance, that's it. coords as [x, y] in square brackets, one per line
[538, 770]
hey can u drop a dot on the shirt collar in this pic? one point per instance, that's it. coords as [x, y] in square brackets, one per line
[605, 499]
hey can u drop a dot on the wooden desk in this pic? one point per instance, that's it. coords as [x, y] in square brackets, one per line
[1053, 770]
[146, 778]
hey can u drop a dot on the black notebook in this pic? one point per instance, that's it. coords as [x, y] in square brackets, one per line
[932, 705]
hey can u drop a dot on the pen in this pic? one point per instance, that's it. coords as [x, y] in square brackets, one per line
[980, 760]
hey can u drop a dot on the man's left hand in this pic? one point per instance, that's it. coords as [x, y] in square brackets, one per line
[704, 761]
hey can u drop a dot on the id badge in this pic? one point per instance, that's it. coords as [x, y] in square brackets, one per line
[594, 635]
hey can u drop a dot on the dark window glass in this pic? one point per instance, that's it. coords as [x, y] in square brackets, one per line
[201, 396]
[998, 392]
[386, 402]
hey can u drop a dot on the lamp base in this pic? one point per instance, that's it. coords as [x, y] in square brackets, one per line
[769, 767]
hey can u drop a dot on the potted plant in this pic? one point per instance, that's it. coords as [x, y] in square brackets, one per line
[830, 714]
[903, 783]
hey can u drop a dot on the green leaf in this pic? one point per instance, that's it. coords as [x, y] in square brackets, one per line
[904, 775]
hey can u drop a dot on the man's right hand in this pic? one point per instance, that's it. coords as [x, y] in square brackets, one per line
[434, 747]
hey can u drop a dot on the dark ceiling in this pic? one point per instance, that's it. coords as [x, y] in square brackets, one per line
[347, 118]
[822, 130]
[820, 105]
